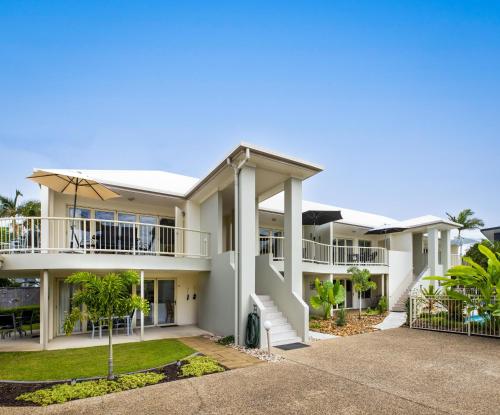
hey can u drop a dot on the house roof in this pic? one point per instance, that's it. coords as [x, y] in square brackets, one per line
[156, 181]
[357, 217]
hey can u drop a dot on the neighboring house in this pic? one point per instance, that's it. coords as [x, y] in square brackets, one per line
[208, 258]
[492, 234]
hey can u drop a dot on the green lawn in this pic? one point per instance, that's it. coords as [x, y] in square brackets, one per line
[89, 361]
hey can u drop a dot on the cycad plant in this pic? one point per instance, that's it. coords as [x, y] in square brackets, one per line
[328, 295]
[431, 294]
[102, 298]
[361, 282]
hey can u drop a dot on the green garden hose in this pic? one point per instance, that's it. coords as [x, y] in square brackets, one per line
[252, 339]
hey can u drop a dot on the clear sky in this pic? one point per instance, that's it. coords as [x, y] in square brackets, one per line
[400, 100]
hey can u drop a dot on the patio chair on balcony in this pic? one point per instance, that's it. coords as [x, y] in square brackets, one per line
[107, 238]
[127, 240]
[125, 323]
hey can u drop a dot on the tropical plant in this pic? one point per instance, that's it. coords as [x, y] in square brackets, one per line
[341, 317]
[10, 206]
[476, 255]
[200, 365]
[102, 298]
[483, 282]
[382, 305]
[361, 282]
[328, 296]
[467, 220]
[431, 294]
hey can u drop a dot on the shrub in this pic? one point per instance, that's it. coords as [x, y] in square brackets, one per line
[225, 341]
[67, 392]
[314, 324]
[200, 365]
[341, 317]
[407, 308]
[17, 310]
[382, 305]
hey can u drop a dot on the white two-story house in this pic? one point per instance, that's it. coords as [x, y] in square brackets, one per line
[210, 251]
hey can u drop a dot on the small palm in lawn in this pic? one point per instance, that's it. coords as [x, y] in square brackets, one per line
[328, 296]
[104, 297]
[361, 282]
[467, 220]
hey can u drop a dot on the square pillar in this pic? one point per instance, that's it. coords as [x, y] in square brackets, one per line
[193, 241]
[445, 250]
[433, 248]
[293, 235]
[44, 309]
[246, 237]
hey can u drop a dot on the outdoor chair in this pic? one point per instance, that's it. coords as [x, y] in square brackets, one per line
[26, 318]
[7, 324]
[125, 323]
[107, 238]
[127, 240]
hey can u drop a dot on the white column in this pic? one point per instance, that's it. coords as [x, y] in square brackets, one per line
[246, 236]
[179, 234]
[257, 228]
[142, 296]
[45, 212]
[445, 250]
[44, 309]
[382, 280]
[433, 241]
[293, 235]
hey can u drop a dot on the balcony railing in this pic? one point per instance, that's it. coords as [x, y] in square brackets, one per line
[319, 253]
[67, 235]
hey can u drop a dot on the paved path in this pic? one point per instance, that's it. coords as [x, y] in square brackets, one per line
[392, 321]
[226, 356]
[398, 371]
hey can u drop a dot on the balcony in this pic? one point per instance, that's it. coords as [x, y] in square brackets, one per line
[318, 253]
[40, 235]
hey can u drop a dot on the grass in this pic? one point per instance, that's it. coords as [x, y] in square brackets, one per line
[90, 361]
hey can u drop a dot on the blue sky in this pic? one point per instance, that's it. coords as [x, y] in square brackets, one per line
[398, 100]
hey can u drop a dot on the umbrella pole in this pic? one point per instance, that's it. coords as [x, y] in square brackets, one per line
[74, 215]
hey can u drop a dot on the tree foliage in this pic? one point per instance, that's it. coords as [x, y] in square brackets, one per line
[328, 295]
[102, 298]
[11, 207]
[485, 281]
[361, 282]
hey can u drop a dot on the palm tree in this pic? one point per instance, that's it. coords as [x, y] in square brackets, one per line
[10, 206]
[467, 220]
[103, 298]
[361, 282]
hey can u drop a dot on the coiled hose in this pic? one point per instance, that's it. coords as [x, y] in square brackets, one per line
[252, 338]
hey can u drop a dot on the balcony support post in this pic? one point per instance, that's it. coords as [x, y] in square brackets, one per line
[293, 235]
[142, 313]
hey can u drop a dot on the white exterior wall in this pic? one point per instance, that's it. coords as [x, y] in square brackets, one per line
[216, 308]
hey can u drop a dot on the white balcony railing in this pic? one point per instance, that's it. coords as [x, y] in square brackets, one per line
[319, 253]
[68, 235]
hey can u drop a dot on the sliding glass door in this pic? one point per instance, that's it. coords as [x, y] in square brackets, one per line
[161, 297]
[166, 302]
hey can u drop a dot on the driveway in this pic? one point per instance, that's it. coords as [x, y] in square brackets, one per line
[387, 372]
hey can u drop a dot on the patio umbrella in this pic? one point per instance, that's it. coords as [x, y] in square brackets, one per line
[76, 183]
[320, 217]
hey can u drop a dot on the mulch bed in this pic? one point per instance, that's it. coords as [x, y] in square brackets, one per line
[10, 391]
[353, 324]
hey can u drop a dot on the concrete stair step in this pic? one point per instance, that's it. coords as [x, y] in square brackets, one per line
[274, 315]
[280, 328]
[289, 334]
[265, 297]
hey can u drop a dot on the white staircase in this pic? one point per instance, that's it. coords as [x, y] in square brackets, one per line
[281, 331]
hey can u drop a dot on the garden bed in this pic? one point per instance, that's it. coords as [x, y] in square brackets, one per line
[353, 325]
[9, 391]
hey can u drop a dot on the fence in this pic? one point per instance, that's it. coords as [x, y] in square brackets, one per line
[443, 313]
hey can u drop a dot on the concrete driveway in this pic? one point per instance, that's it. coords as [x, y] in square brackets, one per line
[387, 372]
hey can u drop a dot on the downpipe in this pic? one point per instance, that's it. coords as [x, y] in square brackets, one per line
[236, 170]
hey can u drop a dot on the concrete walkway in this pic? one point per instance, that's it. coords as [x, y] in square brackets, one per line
[226, 356]
[400, 371]
[392, 321]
